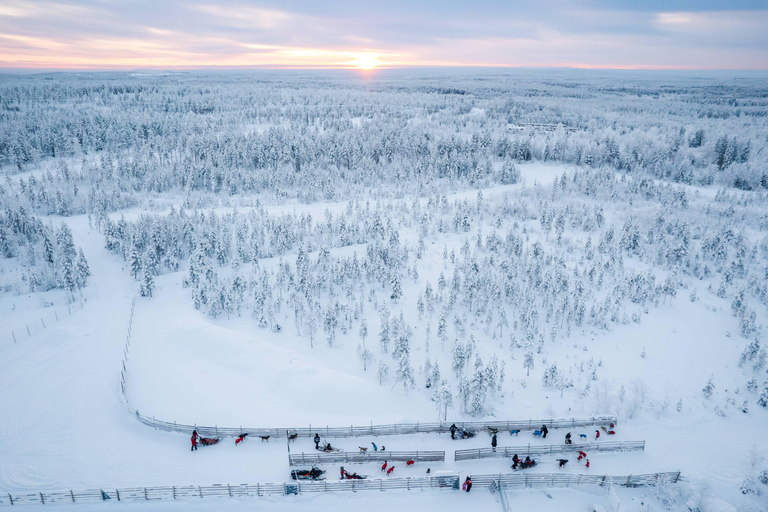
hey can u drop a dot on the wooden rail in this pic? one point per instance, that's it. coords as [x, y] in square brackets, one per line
[374, 430]
[445, 482]
[361, 457]
[510, 451]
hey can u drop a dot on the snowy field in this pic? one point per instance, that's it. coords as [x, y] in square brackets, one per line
[545, 288]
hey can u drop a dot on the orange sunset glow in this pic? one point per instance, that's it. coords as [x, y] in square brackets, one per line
[94, 35]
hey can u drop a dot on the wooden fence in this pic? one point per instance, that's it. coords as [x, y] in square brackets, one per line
[43, 319]
[445, 482]
[361, 457]
[374, 430]
[522, 451]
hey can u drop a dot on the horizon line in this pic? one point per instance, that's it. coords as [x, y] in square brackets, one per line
[287, 67]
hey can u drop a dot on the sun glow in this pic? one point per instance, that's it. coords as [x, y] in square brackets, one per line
[366, 61]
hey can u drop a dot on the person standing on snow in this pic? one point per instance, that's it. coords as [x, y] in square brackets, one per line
[568, 438]
[375, 448]
[454, 428]
[493, 442]
[194, 440]
[544, 431]
[467, 484]
[317, 441]
[597, 435]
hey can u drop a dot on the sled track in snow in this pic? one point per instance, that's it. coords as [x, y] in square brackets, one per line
[350, 431]
[373, 430]
[362, 457]
[437, 483]
[510, 451]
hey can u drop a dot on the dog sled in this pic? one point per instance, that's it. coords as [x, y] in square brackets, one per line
[307, 474]
[466, 434]
[525, 465]
[209, 441]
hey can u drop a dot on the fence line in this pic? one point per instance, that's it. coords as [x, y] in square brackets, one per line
[445, 482]
[510, 451]
[374, 430]
[45, 318]
[126, 349]
[351, 431]
[370, 456]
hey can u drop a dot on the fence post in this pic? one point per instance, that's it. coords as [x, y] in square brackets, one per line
[229, 490]
[145, 494]
[257, 489]
[28, 333]
[72, 495]
[42, 322]
[57, 316]
[14, 336]
[629, 480]
[117, 491]
[42, 500]
[677, 477]
[10, 498]
[200, 491]
[174, 492]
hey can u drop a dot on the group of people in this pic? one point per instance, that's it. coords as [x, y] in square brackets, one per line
[527, 463]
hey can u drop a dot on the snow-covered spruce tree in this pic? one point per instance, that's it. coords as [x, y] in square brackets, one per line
[147, 287]
[709, 388]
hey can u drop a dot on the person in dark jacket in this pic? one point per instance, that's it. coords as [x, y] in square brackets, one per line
[568, 438]
[454, 428]
[468, 484]
[493, 442]
[544, 431]
[194, 440]
[515, 461]
[317, 441]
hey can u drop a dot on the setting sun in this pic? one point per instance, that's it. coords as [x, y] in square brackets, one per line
[366, 61]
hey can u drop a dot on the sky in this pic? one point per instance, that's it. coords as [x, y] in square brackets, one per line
[169, 34]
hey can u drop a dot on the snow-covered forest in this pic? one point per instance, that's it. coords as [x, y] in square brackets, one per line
[479, 242]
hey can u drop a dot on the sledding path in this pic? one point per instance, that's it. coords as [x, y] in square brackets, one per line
[374, 430]
[510, 451]
[436, 483]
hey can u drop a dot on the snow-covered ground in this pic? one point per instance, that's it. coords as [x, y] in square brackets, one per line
[64, 424]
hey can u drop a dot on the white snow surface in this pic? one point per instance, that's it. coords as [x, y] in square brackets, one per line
[62, 424]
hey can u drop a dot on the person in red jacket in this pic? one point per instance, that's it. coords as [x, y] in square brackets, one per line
[597, 435]
[587, 464]
[384, 466]
[390, 470]
[194, 440]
